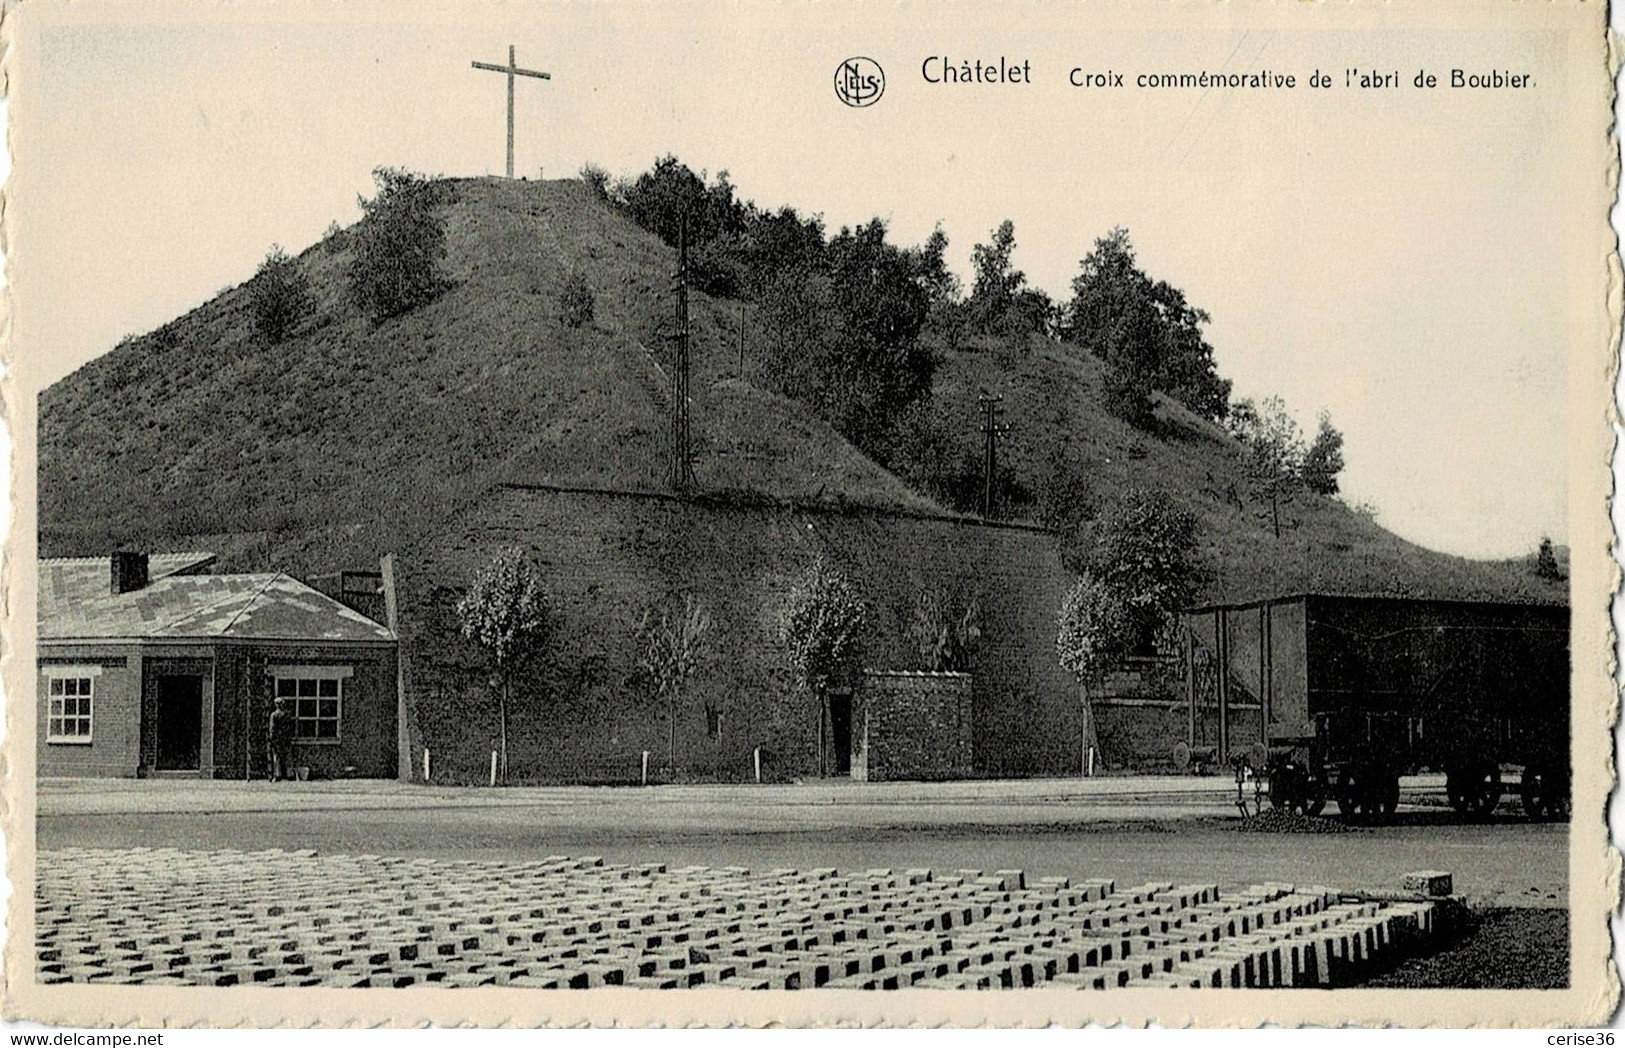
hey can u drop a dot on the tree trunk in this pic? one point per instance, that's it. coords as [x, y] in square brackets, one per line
[502, 731]
[671, 732]
[1275, 511]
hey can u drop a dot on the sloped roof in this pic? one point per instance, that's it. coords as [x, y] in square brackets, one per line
[75, 603]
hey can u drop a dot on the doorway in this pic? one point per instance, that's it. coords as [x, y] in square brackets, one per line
[840, 729]
[180, 722]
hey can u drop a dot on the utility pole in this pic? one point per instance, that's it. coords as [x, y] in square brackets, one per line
[512, 70]
[682, 462]
[992, 406]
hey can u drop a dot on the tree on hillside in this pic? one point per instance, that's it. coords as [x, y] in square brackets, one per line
[672, 640]
[821, 625]
[1272, 452]
[931, 270]
[399, 244]
[1546, 566]
[1094, 630]
[279, 295]
[1000, 302]
[505, 612]
[1145, 332]
[844, 335]
[1323, 461]
[1144, 548]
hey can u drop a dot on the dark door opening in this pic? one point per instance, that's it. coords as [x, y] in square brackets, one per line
[840, 729]
[180, 722]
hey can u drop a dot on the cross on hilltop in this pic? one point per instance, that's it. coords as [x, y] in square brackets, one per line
[513, 70]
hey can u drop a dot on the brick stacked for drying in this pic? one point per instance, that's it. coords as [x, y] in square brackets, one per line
[275, 918]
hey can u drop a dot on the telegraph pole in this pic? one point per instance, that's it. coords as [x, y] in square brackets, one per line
[682, 462]
[992, 406]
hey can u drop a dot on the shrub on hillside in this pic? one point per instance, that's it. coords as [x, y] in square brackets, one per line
[576, 301]
[399, 245]
[596, 180]
[279, 296]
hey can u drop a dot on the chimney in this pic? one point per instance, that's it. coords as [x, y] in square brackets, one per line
[129, 571]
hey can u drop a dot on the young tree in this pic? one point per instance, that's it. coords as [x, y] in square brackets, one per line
[279, 295]
[1324, 459]
[1143, 548]
[1272, 452]
[945, 630]
[672, 641]
[398, 245]
[1094, 630]
[821, 624]
[505, 612]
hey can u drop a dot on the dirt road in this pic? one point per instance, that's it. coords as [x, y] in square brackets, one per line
[1134, 830]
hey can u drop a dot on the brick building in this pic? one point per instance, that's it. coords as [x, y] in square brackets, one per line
[149, 665]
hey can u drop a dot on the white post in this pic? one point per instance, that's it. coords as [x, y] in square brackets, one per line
[493, 767]
[757, 756]
[425, 764]
[645, 767]
[1091, 762]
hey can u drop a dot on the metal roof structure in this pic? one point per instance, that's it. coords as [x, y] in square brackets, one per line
[178, 603]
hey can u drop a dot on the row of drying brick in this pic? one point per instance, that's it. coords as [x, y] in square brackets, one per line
[295, 918]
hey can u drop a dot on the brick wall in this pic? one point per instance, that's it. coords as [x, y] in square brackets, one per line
[368, 722]
[581, 713]
[125, 737]
[912, 726]
[115, 745]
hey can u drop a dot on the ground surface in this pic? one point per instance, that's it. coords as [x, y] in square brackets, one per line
[1133, 830]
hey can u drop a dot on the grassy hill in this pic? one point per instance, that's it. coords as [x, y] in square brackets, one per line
[349, 438]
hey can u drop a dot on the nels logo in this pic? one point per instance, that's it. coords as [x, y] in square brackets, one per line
[860, 82]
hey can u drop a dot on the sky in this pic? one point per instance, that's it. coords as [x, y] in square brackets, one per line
[1402, 259]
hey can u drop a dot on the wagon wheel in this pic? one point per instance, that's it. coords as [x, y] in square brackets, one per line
[1314, 796]
[1284, 791]
[1474, 789]
[1386, 799]
[1353, 800]
[1545, 793]
[1487, 790]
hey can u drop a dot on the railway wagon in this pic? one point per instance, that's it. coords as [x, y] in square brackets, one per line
[1336, 697]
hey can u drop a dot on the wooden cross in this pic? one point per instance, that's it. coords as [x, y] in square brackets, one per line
[512, 70]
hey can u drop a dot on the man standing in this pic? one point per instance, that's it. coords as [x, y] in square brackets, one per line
[281, 741]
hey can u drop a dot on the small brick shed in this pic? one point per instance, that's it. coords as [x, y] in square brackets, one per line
[150, 666]
[911, 725]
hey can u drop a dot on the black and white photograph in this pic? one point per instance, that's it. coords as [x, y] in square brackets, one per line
[846, 514]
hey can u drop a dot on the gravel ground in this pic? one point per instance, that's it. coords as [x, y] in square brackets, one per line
[1500, 949]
